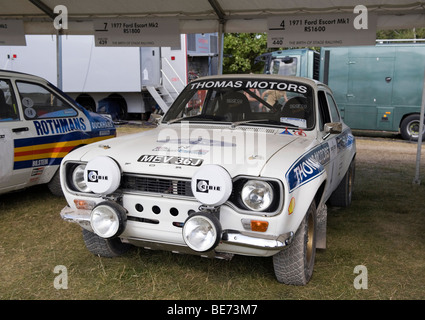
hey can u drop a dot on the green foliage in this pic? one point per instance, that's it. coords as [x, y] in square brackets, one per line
[240, 51]
[415, 33]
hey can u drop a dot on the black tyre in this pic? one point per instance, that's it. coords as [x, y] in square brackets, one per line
[54, 185]
[294, 265]
[107, 248]
[409, 128]
[342, 195]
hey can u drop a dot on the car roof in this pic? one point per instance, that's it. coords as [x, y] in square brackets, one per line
[22, 75]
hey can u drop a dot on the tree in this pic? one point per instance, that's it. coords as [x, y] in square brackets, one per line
[415, 33]
[240, 51]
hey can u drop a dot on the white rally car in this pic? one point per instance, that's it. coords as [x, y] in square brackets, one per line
[240, 164]
[39, 125]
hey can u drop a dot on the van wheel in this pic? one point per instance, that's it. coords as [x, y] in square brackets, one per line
[294, 264]
[409, 128]
[107, 248]
[54, 185]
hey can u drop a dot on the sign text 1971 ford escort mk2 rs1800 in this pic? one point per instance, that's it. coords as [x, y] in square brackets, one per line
[238, 165]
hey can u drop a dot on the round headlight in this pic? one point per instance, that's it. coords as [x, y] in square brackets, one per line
[257, 195]
[77, 179]
[108, 220]
[202, 232]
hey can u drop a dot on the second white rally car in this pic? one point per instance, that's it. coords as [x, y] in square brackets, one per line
[240, 164]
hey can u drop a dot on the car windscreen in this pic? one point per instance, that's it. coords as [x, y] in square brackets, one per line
[254, 102]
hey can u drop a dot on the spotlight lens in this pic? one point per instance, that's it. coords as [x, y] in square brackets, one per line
[105, 221]
[201, 233]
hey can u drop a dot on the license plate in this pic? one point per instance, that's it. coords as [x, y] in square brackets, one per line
[182, 161]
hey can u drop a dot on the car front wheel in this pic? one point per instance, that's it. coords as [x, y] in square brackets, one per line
[294, 264]
[108, 248]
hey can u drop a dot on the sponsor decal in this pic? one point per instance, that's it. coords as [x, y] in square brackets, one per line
[58, 126]
[204, 186]
[102, 125]
[182, 161]
[308, 167]
[286, 132]
[250, 84]
[291, 206]
[93, 176]
[181, 149]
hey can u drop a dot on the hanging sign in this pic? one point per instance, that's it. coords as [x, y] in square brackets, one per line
[324, 30]
[12, 33]
[137, 32]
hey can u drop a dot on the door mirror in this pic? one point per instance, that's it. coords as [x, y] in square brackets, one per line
[333, 127]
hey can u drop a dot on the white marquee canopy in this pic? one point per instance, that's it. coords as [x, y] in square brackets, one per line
[197, 16]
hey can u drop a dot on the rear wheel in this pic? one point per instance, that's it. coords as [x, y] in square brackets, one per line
[294, 265]
[409, 128]
[342, 195]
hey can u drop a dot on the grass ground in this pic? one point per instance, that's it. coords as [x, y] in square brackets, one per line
[383, 231]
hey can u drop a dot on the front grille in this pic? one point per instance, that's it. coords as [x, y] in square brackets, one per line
[163, 186]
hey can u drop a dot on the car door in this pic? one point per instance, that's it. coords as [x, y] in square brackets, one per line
[328, 113]
[12, 126]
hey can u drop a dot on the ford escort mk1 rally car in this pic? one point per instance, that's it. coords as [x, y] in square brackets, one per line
[39, 125]
[238, 165]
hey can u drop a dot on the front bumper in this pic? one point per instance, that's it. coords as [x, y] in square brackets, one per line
[232, 241]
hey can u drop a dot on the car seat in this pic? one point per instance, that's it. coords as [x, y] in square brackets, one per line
[6, 110]
[235, 107]
[298, 108]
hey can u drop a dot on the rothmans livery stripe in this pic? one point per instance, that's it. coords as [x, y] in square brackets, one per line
[47, 151]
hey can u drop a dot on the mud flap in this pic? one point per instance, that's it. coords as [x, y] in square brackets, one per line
[322, 214]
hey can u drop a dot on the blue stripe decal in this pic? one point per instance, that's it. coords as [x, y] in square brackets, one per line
[30, 163]
[77, 135]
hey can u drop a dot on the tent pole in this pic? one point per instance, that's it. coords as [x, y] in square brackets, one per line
[59, 58]
[220, 48]
[417, 180]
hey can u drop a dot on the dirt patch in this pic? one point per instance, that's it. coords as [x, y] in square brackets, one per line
[387, 152]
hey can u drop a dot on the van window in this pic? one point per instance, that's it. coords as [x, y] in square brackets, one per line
[333, 108]
[40, 103]
[284, 67]
[8, 107]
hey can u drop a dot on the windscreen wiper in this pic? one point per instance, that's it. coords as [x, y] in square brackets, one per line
[235, 124]
[184, 118]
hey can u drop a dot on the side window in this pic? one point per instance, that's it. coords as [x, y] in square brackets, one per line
[333, 108]
[324, 116]
[8, 107]
[39, 102]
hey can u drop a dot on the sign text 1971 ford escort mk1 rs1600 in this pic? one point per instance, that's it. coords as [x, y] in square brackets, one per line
[240, 164]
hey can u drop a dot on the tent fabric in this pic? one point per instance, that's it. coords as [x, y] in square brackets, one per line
[204, 15]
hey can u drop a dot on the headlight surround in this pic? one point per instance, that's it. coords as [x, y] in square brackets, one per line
[257, 195]
[77, 178]
[202, 232]
[108, 219]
